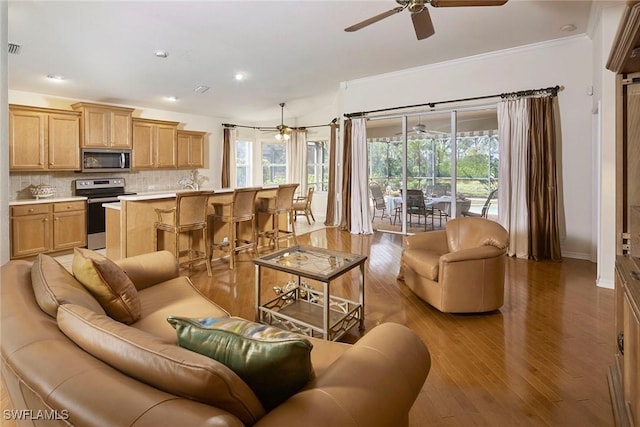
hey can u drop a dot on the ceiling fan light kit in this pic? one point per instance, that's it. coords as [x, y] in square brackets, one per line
[283, 130]
[420, 16]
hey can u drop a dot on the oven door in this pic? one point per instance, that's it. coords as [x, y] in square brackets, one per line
[96, 222]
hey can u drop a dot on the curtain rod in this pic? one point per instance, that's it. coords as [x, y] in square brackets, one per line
[231, 126]
[553, 91]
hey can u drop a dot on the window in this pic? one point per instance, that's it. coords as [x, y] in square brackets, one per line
[274, 163]
[317, 165]
[243, 163]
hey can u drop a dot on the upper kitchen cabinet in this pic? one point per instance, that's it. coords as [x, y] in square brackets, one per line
[104, 126]
[154, 144]
[190, 149]
[43, 139]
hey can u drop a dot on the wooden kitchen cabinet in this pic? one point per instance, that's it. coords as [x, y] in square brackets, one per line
[104, 126]
[190, 149]
[30, 230]
[47, 227]
[43, 139]
[69, 225]
[154, 144]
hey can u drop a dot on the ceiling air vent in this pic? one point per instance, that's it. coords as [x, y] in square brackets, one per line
[15, 48]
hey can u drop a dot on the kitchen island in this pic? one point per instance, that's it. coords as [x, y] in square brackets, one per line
[130, 223]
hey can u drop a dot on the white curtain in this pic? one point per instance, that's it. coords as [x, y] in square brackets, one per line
[297, 149]
[513, 129]
[360, 210]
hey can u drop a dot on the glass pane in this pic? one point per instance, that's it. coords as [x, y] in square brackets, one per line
[385, 154]
[430, 157]
[274, 163]
[317, 165]
[243, 163]
[241, 177]
[477, 163]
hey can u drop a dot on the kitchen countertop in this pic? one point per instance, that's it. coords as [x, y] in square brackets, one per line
[112, 205]
[168, 194]
[46, 200]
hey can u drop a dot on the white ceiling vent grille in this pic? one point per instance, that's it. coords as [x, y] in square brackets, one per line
[15, 48]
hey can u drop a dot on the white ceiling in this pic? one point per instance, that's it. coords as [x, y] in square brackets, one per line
[290, 51]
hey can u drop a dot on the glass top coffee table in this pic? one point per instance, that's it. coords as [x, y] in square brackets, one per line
[299, 307]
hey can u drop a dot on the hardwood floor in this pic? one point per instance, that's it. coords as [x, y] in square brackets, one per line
[541, 359]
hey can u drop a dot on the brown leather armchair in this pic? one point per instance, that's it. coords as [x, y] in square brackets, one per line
[459, 269]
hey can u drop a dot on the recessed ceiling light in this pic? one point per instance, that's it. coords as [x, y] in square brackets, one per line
[201, 89]
[239, 76]
[171, 98]
[55, 77]
[161, 53]
[568, 27]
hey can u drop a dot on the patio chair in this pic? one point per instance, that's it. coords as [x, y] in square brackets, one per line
[485, 207]
[417, 207]
[378, 201]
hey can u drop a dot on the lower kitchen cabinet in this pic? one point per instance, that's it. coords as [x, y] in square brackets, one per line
[47, 227]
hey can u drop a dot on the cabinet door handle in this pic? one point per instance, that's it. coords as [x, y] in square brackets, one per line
[30, 209]
[635, 275]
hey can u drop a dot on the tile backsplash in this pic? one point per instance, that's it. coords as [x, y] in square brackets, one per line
[135, 182]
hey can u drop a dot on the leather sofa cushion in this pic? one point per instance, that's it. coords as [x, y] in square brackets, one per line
[174, 297]
[274, 363]
[424, 263]
[158, 363]
[54, 285]
[108, 283]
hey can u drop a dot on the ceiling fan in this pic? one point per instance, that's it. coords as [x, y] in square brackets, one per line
[420, 14]
[284, 131]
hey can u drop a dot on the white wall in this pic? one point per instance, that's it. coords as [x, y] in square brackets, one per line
[566, 62]
[604, 107]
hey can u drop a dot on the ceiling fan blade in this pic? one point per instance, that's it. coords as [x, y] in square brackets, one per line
[374, 19]
[422, 24]
[462, 3]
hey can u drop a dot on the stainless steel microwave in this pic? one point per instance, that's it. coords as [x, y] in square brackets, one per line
[106, 160]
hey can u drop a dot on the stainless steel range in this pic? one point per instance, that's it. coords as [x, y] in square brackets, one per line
[98, 191]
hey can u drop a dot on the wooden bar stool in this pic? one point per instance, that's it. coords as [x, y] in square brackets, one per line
[188, 215]
[281, 203]
[242, 208]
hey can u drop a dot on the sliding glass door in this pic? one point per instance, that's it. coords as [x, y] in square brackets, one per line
[477, 163]
[420, 177]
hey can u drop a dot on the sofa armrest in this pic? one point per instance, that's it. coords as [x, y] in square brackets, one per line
[374, 383]
[435, 241]
[149, 269]
[481, 252]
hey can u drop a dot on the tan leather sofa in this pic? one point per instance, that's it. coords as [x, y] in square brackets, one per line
[459, 269]
[371, 383]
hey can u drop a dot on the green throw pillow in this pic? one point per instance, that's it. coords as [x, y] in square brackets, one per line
[274, 363]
